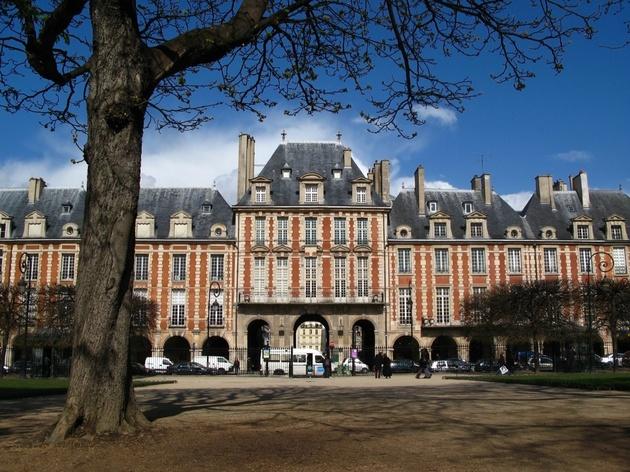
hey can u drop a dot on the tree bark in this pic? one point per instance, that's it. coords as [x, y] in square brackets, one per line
[100, 396]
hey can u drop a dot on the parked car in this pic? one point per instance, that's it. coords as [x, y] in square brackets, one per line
[544, 363]
[158, 365]
[461, 365]
[346, 365]
[608, 359]
[188, 368]
[404, 365]
[486, 365]
[216, 363]
[18, 367]
[450, 365]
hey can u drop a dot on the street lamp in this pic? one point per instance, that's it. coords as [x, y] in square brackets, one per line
[606, 264]
[26, 269]
[215, 291]
[353, 353]
[411, 318]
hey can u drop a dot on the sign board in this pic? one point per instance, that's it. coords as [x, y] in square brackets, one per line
[504, 370]
[266, 353]
[354, 353]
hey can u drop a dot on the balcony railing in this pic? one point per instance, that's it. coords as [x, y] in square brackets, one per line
[304, 297]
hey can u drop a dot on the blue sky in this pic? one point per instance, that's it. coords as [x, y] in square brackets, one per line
[558, 125]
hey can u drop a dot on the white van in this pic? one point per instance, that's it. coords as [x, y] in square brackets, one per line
[279, 361]
[218, 363]
[158, 365]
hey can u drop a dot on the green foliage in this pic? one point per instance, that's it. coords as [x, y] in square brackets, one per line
[581, 380]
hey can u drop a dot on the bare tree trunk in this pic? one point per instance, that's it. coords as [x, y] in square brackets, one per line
[3, 351]
[100, 396]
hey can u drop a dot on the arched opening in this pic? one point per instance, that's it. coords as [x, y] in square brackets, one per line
[258, 336]
[406, 347]
[139, 349]
[444, 347]
[480, 349]
[365, 341]
[311, 331]
[216, 346]
[177, 349]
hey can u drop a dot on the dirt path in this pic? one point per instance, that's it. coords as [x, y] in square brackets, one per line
[340, 425]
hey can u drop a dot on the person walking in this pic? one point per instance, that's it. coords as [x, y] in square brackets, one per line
[378, 365]
[424, 364]
[387, 367]
[237, 365]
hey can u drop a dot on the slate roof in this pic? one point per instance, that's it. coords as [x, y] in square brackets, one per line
[499, 215]
[604, 204]
[160, 202]
[303, 158]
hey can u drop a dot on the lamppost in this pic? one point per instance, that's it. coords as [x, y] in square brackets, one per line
[26, 269]
[606, 264]
[215, 292]
[353, 353]
[411, 318]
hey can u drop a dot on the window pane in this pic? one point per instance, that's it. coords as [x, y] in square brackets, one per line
[443, 306]
[404, 306]
[514, 260]
[142, 267]
[216, 267]
[619, 258]
[404, 260]
[551, 262]
[478, 260]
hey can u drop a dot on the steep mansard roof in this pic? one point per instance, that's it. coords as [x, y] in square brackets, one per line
[303, 158]
[160, 202]
[604, 204]
[499, 215]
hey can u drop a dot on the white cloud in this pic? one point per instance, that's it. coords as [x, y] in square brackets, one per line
[517, 200]
[443, 116]
[574, 156]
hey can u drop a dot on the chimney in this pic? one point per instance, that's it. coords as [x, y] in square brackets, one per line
[35, 188]
[385, 181]
[377, 176]
[560, 186]
[486, 189]
[580, 185]
[245, 163]
[347, 158]
[544, 190]
[419, 179]
[475, 183]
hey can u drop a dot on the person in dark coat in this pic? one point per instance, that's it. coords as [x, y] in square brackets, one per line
[237, 366]
[387, 367]
[378, 365]
[424, 364]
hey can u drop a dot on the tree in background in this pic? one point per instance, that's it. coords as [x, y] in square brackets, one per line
[11, 317]
[111, 67]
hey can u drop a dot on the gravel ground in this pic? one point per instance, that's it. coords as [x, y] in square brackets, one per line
[341, 424]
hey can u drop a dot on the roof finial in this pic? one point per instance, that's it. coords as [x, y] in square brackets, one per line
[214, 184]
[403, 185]
[339, 136]
[284, 135]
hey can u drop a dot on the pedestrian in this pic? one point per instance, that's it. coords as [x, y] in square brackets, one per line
[387, 367]
[424, 364]
[237, 365]
[378, 365]
[327, 367]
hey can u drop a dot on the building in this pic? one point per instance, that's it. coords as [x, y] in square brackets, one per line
[313, 241]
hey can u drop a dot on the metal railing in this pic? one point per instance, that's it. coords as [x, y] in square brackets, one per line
[304, 297]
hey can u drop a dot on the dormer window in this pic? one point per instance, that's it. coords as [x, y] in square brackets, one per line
[548, 232]
[66, 208]
[5, 225]
[432, 206]
[286, 171]
[616, 228]
[70, 230]
[218, 231]
[311, 188]
[310, 193]
[615, 232]
[582, 232]
[440, 225]
[145, 225]
[35, 225]
[403, 232]
[582, 227]
[514, 232]
[261, 194]
[361, 194]
[467, 207]
[476, 225]
[440, 230]
[206, 207]
[361, 191]
[336, 174]
[3, 230]
[181, 225]
[476, 230]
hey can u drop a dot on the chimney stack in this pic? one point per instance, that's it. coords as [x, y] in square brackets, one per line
[246, 156]
[580, 185]
[347, 158]
[486, 189]
[419, 180]
[377, 176]
[560, 186]
[35, 188]
[475, 183]
[384, 193]
[544, 190]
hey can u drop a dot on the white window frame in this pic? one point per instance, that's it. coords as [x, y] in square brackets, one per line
[478, 260]
[141, 269]
[178, 271]
[310, 231]
[217, 266]
[619, 260]
[178, 308]
[215, 312]
[404, 306]
[261, 193]
[310, 277]
[432, 206]
[550, 260]
[441, 260]
[283, 230]
[362, 277]
[340, 234]
[362, 231]
[67, 267]
[404, 260]
[32, 272]
[515, 265]
[467, 208]
[582, 231]
[340, 277]
[260, 287]
[282, 276]
[585, 260]
[476, 229]
[361, 193]
[443, 305]
[616, 233]
[439, 229]
[259, 230]
[311, 193]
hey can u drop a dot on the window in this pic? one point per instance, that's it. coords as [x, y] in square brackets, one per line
[178, 308]
[433, 207]
[582, 231]
[550, 255]
[476, 230]
[215, 313]
[340, 231]
[260, 231]
[310, 277]
[585, 260]
[142, 267]
[404, 260]
[441, 261]
[66, 208]
[206, 208]
[619, 259]
[467, 207]
[283, 230]
[443, 305]
[32, 267]
[615, 232]
[336, 174]
[310, 193]
[361, 194]
[340, 277]
[286, 173]
[139, 314]
[67, 267]
[259, 276]
[404, 306]
[310, 237]
[3, 230]
[282, 276]
[478, 292]
[478, 260]
[1, 254]
[179, 267]
[261, 194]
[439, 230]
[362, 231]
[362, 276]
[216, 267]
[514, 260]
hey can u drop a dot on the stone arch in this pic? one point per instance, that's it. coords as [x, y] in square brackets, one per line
[216, 346]
[444, 347]
[177, 349]
[367, 346]
[313, 317]
[258, 336]
[406, 347]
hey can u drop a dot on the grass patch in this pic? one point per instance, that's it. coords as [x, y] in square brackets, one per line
[584, 381]
[22, 388]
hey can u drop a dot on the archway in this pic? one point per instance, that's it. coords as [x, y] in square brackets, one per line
[258, 336]
[315, 334]
[216, 346]
[365, 341]
[480, 349]
[177, 349]
[406, 347]
[444, 347]
[139, 349]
